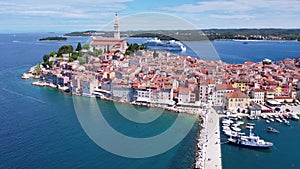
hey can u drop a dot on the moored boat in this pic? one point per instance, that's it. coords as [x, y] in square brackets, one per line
[272, 130]
[278, 120]
[250, 141]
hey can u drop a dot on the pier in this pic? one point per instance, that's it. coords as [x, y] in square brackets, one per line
[209, 145]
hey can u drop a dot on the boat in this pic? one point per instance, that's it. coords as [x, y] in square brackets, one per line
[250, 141]
[250, 124]
[231, 133]
[227, 121]
[264, 116]
[272, 130]
[171, 45]
[278, 120]
[268, 121]
[287, 123]
[153, 43]
[236, 129]
[272, 120]
[240, 122]
[294, 116]
[251, 118]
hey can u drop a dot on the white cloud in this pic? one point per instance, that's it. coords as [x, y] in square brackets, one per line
[231, 16]
[237, 6]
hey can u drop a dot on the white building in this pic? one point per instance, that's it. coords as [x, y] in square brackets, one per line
[219, 94]
[257, 95]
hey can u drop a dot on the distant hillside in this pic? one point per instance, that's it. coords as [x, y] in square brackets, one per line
[56, 38]
[198, 35]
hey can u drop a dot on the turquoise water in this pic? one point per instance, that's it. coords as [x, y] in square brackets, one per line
[39, 127]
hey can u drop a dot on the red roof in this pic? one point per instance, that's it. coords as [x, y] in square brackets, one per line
[236, 94]
[224, 87]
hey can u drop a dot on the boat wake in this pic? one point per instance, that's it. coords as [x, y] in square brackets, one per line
[21, 95]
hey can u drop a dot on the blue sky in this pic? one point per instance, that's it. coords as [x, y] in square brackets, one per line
[77, 15]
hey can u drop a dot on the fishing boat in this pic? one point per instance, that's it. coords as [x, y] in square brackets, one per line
[250, 141]
[272, 130]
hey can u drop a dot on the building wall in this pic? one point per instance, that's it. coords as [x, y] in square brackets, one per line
[122, 94]
[235, 103]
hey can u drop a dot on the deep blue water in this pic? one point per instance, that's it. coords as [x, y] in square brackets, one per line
[238, 52]
[39, 127]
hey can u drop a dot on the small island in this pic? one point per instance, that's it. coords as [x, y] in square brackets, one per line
[56, 38]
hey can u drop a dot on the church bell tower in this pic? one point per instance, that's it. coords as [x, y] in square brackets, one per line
[116, 27]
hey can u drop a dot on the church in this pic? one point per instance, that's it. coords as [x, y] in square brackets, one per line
[110, 44]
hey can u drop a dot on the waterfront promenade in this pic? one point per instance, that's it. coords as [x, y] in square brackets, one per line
[209, 148]
[213, 150]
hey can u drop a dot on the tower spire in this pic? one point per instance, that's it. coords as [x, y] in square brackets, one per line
[116, 27]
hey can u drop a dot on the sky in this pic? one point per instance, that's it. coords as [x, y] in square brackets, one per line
[81, 15]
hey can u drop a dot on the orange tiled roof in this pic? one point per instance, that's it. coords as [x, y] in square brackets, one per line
[236, 94]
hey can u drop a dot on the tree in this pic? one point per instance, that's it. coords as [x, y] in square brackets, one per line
[46, 58]
[38, 69]
[96, 52]
[78, 48]
[86, 46]
[53, 53]
[155, 55]
[65, 49]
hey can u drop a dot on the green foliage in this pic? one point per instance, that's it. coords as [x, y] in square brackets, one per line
[155, 54]
[46, 58]
[73, 57]
[117, 51]
[65, 49]
[82, 60]
[133, 48]
[86, 46]
[78, 48]
[38, 69]
[96, 52]
[53, 53]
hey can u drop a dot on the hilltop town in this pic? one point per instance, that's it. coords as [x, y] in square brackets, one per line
[179, 82]
[110, 69]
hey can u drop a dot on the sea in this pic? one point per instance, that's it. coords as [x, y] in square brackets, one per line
[39, 127]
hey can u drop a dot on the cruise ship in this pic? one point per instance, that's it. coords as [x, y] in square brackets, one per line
[153, 43]
[157, 44]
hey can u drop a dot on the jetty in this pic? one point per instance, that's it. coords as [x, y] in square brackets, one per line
[209, 145]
